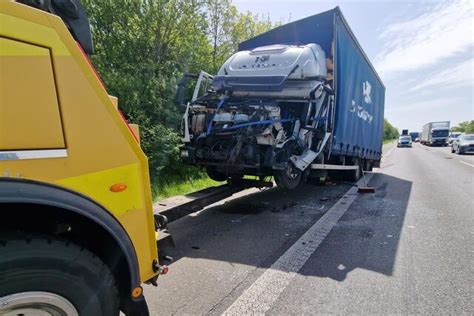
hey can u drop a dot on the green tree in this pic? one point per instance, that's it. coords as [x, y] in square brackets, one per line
[464, 127]
[220, 16]
[389, 132]
[227, 28]
[142, 49]
[248, 25]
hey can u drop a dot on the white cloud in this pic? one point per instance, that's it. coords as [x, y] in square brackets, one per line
[446, 30]
[460, 75]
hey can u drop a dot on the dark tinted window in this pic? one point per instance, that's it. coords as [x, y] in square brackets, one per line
[442, 133]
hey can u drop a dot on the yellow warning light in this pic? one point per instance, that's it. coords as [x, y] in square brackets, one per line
[137, 292]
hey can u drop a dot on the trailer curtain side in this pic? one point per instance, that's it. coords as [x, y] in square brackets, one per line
[359, 91]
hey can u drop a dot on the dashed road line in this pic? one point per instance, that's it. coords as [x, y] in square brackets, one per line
[390, 151]
[264, 292]
[466, 163]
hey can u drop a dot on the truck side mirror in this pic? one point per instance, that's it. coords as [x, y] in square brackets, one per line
[180, 92]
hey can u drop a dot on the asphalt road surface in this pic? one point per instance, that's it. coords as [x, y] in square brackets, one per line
[406, 249]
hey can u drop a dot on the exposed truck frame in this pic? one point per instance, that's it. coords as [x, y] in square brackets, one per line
[77, 235]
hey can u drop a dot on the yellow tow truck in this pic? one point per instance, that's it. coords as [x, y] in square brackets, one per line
[77, 232]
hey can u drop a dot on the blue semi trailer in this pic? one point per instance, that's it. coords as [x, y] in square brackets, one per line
[301, 97]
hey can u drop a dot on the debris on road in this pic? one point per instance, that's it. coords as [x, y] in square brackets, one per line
[366, 190]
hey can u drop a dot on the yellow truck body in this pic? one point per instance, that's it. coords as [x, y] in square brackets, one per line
[60, 129]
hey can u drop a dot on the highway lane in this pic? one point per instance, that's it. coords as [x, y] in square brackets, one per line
[405, 249]
[467, 159]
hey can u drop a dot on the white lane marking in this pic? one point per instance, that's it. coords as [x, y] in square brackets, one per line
[261, 295]
[390, 151]
[466, 163]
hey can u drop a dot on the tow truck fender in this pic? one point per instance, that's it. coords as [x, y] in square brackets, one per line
[13, 190]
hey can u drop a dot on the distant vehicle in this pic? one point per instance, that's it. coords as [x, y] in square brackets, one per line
[404, 132]
[452, 137]
[417, 140]
[463, 144]
[404, 141]
[414, 135]
[435, 133]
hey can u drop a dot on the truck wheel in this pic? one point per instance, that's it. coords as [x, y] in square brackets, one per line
[216, 175]
[368, 165]
[44, 275]
[452, 150]
[356, 174]
[353, 175]
[288, 179]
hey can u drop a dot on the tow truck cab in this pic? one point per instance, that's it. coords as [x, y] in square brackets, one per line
[75, 201]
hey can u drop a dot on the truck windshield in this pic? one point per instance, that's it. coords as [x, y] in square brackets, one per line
[441, 133]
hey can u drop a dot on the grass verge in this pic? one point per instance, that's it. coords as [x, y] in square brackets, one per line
[387, 141]
[163, 190]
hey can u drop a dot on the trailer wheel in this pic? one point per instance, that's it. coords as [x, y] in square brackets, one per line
[290, 178]
[356, 174]
[216, 175]
[44, 275]
[368, 164]
[353, 175]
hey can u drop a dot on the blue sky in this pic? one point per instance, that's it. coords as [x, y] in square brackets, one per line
[423, 50]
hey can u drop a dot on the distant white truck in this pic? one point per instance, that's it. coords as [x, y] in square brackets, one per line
[435, 133]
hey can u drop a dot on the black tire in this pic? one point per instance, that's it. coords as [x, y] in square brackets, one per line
[369, 165]
[40, 263]
[355, 175]
[216, 175]
[290, 178]
[452, 150]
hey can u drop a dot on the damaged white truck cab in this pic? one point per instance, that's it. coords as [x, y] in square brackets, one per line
[283, 110]
[266, 115]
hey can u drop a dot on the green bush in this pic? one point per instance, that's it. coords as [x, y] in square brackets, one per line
[143, 47]
[389, 132]
[464, 127]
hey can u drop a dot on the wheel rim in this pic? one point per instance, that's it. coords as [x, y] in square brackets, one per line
[36, 303]
[291, 172]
